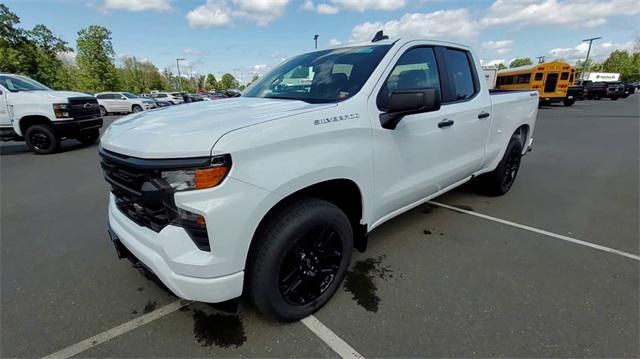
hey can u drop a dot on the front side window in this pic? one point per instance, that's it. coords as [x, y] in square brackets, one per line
[460, 74]
[416, 69]
[322, 76]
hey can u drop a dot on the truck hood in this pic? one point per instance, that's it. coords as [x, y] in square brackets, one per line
[191, 130]
[51, 96]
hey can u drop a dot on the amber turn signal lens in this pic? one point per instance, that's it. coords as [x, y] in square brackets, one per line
[210, 177]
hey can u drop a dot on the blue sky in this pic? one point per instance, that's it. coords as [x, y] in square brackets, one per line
[247, 36]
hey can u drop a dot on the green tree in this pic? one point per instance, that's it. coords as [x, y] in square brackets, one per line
[211, 83]
[31, 52]
[139, 76]
[97, 71]
[201, 82]
[228, 82]
[501, 66]
[521, 61]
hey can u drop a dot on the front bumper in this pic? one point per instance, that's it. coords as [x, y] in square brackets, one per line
[232, 212]
[72, 128]
[136, 239]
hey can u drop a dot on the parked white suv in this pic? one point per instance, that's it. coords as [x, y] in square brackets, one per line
[42, 117]
[268, 193]
[123, 102]
[173, 97]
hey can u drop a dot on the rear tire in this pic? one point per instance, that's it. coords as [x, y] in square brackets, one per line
[136, 108]
[597, 97]
[500, 180]
[299, 258]
[103, 111]
[42, 139]
[89, 137]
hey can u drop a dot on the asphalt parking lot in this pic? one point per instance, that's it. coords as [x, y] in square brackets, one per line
[434, 282]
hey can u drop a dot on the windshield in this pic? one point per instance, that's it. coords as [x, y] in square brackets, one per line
[322, 76]
[20, 83]
[129, 95]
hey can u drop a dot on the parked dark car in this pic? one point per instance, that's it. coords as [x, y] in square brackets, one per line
[629, 89]
[574, 93]
[598, 90]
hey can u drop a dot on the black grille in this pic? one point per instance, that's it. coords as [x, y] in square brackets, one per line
[144, 197]
[83, 108]
[134, 198]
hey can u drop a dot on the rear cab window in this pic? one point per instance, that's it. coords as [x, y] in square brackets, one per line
[461, 75]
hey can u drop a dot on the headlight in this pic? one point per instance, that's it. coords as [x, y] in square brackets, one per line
[61, 110]
[199, 178]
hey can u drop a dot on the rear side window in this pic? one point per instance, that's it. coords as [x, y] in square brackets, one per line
[538, 76]
[416, 69]
[461, 76]
[564, 76]
[102, 97]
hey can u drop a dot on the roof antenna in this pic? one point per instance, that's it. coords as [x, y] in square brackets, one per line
[379, 36]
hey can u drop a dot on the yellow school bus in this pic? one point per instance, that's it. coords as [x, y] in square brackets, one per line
[551, 79]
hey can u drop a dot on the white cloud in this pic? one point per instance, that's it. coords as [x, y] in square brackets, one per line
[443, 24]
[68, 58]
[327, 9]
[213, 13]
[363, 5]
[308, 5]
[335, 42]
[137, 5]
[599, 51]
[261, 11]
[574, 13]
[334, 6]
[501, 47]
[495, 62]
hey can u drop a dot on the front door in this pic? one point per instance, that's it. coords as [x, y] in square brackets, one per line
[429, 151]
[5, 121]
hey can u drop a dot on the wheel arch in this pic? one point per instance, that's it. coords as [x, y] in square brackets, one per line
[342, 192]
[27, 121]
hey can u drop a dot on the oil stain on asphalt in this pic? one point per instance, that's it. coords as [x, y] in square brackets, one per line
[223, 330]
[149, 307]
[360, 282]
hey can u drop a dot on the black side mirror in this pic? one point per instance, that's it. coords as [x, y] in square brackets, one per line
[408, 102]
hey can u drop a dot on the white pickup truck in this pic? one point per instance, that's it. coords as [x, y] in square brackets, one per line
[42, 117]
[269, 193]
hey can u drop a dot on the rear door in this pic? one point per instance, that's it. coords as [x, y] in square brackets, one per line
[551, 82]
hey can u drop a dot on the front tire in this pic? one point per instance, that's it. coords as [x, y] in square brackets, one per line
[614, 98]
[568, 102]
[500, 180]
[42, 139]
[103, 111]
[299, 259]
[89, 137]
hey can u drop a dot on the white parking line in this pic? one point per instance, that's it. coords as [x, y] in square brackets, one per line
[317, 327]
[117, 331]
[332, 339]
[540, 231]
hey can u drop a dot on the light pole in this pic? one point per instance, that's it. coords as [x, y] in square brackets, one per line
[585, 67]
[315, 39]
[179, 80]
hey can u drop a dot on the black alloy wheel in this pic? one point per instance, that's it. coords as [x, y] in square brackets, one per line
[310, 266]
